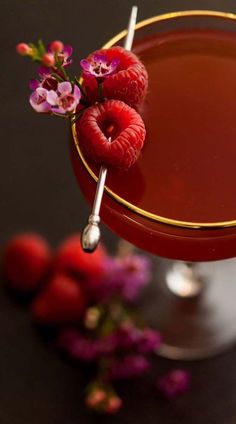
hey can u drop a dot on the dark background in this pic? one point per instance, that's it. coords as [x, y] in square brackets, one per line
[38, 192]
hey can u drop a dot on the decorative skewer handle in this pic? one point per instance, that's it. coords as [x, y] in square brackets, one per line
[91, 234]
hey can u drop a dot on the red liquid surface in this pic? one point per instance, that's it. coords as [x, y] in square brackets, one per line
[187, 169]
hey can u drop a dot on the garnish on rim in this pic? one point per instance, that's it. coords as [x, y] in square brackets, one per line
[113, 73]
[99, 66]
[117, 120]
[65, 98]
[127, 82]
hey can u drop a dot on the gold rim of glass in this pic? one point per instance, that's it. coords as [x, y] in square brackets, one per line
[125, 203]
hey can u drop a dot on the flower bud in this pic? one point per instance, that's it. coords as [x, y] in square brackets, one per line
[95, 398]
[57, 46]
[23, 49]
[92, 316]
[48, 60]
[113, 405]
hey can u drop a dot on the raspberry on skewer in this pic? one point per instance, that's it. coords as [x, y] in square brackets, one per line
[112, 134]
[91, 234]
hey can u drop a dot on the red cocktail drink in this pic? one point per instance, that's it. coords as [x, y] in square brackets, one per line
[178, 200]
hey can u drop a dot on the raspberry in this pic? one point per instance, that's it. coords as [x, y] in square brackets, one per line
[26, 260]
[117, 120]
[129, 83]
[61, 301]
[71, 258]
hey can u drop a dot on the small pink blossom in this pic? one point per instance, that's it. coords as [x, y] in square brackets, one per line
[63, 55]
[86, 349]
[149, 341]
[38, 100]
[65, 99]
[47, 82]
[99, 66]
[44, 72]
[130, 366]
[125, 277]
[174, 383]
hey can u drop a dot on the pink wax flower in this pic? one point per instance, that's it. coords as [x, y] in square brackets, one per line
[86, 349]
[130, 366]
[48, 82]
[62, 55]
[99, 66]
[144, 341]
[44, 72]
[38, 100]
[126, 277]
[65, 99]
[149, 341]
[174, 383]
[135, 274]
[127, 337]
[77, 346]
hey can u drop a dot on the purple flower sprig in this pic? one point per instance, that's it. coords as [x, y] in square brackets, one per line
[124, 277]
[53, 91]
[124, 340]
[111, 340]
[63, 100]
[55, 56]
[99, 66]
[34, 51]
[120, 355]
[110, 336]
[49, 95]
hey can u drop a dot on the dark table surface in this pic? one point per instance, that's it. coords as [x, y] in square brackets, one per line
[39, 193]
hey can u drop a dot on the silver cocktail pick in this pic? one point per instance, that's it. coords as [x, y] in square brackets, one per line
[91, 234]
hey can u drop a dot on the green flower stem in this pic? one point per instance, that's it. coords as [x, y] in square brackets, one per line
[61, 68]
[64, 72]
[58, 78]
[41, 48]
[81, 88]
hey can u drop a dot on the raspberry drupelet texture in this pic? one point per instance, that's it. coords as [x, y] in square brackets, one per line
[116, 121]
[129, 83]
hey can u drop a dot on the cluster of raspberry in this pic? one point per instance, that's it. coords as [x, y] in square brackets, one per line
[104, 99]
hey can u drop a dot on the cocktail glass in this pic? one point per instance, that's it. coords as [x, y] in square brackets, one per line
[178, 201]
